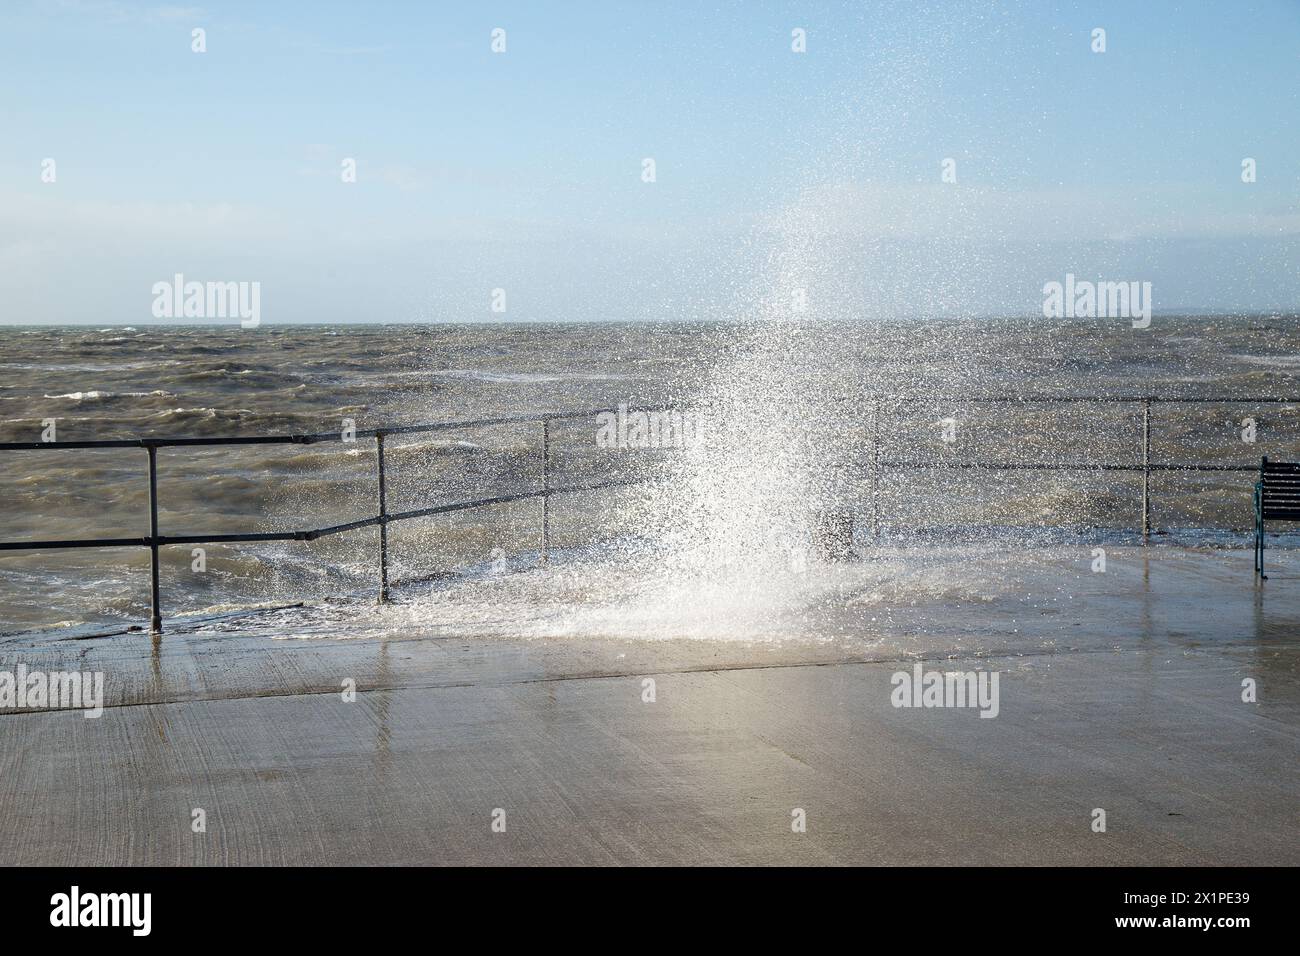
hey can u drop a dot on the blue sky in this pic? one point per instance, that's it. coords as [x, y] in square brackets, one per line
[522, 170]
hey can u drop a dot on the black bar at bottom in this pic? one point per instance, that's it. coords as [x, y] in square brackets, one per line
[1039, 905]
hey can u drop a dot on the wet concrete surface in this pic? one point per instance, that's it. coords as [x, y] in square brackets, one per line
[1127, 696]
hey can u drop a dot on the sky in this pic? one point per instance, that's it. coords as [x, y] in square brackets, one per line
[522, 170]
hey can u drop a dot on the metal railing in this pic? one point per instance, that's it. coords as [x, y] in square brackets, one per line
[383, 518]
[1146, 466]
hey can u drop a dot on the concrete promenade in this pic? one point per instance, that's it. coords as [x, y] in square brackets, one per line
[1140, 714]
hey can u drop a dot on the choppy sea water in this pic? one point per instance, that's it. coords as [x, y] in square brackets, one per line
[794, 419]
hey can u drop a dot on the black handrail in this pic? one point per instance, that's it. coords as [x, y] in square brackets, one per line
[308, 439]
[154, 540]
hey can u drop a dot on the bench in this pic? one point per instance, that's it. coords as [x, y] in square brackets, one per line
[1277, 498]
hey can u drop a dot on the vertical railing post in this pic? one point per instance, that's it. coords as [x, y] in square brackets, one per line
[875, 466]
[383, 520]
[155, 621]
[1146, 470]
[546, 490]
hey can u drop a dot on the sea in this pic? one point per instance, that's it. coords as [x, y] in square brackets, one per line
[980, 434]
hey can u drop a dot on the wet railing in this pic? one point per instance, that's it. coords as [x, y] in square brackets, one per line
[382, 519]
[1142, 464]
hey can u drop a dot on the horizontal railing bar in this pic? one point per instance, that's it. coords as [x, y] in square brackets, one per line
[464, 505]
[506, 499]
[1250, 468]
[483, 422]
[305, 439]
[338, 528]
[310, 535]
[315, 533]
[182, 441]
[169, 442]
[1099, 399]
[1058, 466]
[228, 538]
[75, 543]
